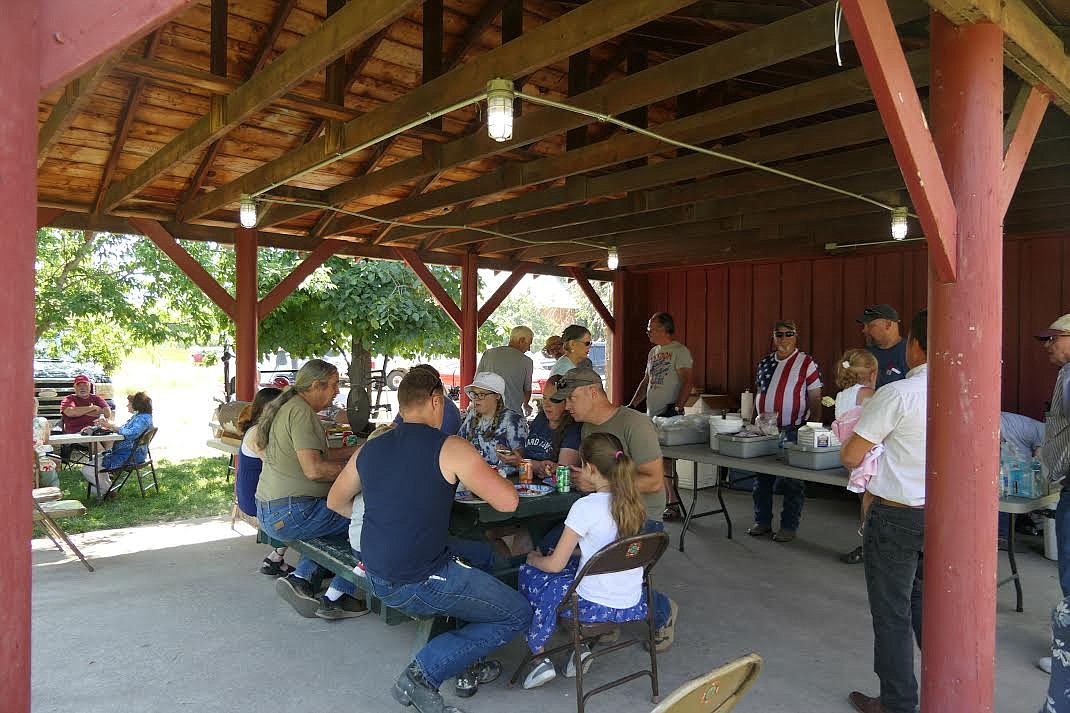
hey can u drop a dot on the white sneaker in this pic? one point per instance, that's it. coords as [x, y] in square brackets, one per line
[1044, 664]
[544, 672]
[585, 657]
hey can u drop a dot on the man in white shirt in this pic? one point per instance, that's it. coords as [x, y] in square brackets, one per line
[512, 363]
[895, 525]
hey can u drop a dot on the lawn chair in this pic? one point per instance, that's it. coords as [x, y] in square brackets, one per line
[718, 691]
[47, 507]
[121, 473]
[624, 554]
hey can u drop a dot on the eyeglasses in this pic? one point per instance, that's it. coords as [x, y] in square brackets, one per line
[1052, 337]
[782, 335]
[586, 344]
[477, 396]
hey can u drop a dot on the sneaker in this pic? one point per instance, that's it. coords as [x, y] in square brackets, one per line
[544, 672]
[672, 513]
[298, 593]
[482, 671]
[346, 607]
[757, 530]
[412, 689]
[585, 658]
[855, 556]
[784, 535]
[665, 635]
[1044, 664]
[275, 569]
[610, 638]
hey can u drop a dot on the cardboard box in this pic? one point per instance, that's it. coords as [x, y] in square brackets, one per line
[708, 403]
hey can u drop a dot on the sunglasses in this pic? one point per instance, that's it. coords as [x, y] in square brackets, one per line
[586, 344]
[782, 335]
[1052, 338]
[477, 396]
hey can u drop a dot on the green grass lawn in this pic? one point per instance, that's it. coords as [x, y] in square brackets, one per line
[191, 488]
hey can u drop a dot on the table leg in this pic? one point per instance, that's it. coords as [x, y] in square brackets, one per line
[692, 511]
[720, 498]
[1014, 565]
[675, 482]
[96, 471]
[694, 499]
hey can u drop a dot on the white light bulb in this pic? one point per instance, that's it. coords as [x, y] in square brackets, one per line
[500, 109]
[247, 212]
[899, 223]
[612, 260]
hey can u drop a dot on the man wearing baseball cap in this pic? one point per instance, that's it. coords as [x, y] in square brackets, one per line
[880, 326]
[82, 408]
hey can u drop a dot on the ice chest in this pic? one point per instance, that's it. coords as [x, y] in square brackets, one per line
[812, 457]
[755, 447]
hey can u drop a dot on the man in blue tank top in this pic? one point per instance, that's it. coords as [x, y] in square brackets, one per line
[408, 478]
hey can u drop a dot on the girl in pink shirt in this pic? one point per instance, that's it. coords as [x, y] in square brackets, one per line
[856, 375]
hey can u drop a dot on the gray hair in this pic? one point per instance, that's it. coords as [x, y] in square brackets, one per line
[314, 371]
[521, 332]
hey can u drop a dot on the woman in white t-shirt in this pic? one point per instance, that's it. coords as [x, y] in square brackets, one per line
[612, 511]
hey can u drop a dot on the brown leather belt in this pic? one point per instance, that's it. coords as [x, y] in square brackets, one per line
[894, 504]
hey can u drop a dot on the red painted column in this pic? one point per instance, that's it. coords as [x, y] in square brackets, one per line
[620, 319]
[965, 327]
[246, 318]
[19, 86]
[469, 321]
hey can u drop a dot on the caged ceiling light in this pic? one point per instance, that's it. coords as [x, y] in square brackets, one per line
[500, 97]
[613, 259]
[247, 211]
[899, 223]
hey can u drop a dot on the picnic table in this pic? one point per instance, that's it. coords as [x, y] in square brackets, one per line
[66, 439]
[537, 515]
[773, 465]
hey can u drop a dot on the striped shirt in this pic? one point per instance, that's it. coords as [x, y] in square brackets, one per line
[783, 385]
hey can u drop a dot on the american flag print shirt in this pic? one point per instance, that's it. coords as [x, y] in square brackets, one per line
[782, 386]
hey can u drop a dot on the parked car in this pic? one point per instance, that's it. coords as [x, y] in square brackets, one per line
[58, 375]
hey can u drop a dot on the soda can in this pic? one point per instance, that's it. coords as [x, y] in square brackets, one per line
[525, 469]
[563, 481]
[350, 440]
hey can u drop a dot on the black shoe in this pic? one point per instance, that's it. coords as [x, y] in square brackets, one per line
[482, 671]
[412, 689]
[757, 530]
[346, 607]
[275, 569]
[855, 556]
[299, 594]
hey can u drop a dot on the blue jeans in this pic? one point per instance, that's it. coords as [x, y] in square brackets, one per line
[794, 496]
[1062, 535]
[662, 606]
[1055, 702]
[495, 613]
[297, 518]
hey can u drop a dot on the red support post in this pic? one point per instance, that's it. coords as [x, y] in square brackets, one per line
[965, 324]
[877, 42]
[1018, 150]
[18, 198]
[47, 215]
[616, 361]
[501, 293]
[193, 269]
[74, 34]
[245, 318]
[416, 264]
[593, 297]
[469, 321]
[291, 282]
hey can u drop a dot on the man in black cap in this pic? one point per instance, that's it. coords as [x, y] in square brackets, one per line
[880, 326]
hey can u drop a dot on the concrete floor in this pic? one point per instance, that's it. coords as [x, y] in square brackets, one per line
[176, 617]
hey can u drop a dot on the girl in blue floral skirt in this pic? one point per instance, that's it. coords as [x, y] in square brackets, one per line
[613, 510]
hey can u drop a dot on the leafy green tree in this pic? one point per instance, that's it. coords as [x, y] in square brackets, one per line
[585, 312]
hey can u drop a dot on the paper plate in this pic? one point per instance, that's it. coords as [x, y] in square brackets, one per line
[464, 496]
[533, 490]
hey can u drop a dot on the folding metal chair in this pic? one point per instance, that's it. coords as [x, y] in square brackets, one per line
[121, 473]
[718, 691]
[624, 554]
[47, 507]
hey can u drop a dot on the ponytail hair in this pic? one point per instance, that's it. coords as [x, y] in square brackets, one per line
[314, 371]
[605, 453]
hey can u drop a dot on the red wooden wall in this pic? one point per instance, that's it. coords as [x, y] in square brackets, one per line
[725, 313]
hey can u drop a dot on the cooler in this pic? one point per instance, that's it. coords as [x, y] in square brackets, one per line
[742, 447]
[811, 457]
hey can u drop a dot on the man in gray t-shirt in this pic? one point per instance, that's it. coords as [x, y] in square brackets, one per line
[512, 363]
[666, 382]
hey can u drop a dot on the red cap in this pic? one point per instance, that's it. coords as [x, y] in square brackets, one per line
[82, 379]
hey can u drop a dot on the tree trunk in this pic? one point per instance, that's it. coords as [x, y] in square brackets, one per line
[358, 405]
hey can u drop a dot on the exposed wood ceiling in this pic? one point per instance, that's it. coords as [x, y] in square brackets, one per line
[178, 126]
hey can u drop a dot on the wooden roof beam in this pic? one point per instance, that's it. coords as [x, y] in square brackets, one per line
[1022, 128]
[795, 36]
[582, 28]
[838, 90]
[75, 98]
[349, 27]
[1031, 49]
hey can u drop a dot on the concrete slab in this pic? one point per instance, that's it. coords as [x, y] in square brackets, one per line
[176, 617]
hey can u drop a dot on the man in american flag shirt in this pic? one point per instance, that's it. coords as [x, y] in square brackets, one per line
[789, 384]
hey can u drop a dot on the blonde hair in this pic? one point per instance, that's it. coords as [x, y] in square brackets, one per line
[854, 367]
[605, 452]
[315, 371]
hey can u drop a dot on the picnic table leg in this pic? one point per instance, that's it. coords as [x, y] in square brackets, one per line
[96, 471]
[1014, 565]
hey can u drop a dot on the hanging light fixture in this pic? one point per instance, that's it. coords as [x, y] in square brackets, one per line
[247, 212]
[613, 259]
[899, 223]
[500, 97]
